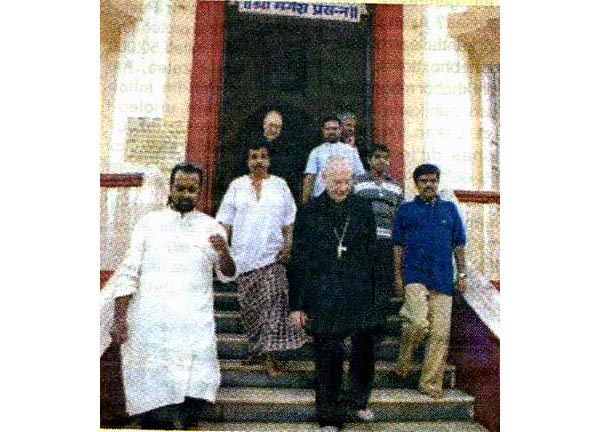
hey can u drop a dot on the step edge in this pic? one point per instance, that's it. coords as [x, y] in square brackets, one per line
[227, 395]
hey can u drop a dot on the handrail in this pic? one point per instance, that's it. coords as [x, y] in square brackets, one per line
[136, 179]
[121, 180]
[482, 197]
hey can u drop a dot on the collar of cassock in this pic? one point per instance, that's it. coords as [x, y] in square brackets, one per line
[337, 211]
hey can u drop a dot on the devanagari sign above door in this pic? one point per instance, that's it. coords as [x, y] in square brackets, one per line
[324, 11]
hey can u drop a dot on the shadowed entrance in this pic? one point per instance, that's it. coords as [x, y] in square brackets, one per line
[302, 67]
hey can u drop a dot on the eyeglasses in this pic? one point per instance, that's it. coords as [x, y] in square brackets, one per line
[426, 181]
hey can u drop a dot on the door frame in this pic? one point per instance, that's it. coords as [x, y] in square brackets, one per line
[386, 82]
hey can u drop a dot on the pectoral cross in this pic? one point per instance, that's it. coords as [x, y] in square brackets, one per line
[340, 247]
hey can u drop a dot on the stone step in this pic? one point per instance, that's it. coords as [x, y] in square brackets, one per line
[421, 426]
[224, 287]
[226, 299]
[235, 347]
[231, 322]
[245, 404]
[300, 374]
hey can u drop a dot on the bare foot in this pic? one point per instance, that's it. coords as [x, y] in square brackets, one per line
[365, 415]
[272, 368]
[433, 393]
[402, 370]
[279, 365]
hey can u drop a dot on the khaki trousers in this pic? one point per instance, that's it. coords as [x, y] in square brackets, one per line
[425, 315]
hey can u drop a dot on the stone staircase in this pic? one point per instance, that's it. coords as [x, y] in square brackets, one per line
[250, 400]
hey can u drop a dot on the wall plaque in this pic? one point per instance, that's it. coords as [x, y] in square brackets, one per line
[155, 142]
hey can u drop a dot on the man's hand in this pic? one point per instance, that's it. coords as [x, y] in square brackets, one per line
[284, 256]
[298, 318]
[119, 331]
[461, 284]
[226, 263]
[218, 243]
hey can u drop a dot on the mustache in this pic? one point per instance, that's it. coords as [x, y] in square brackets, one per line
[185, 202]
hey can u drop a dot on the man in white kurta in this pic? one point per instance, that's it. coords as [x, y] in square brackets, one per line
[169, 351]
[258, 209]
[258, 224]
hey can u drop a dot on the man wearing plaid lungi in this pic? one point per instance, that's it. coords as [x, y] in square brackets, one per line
[258, 212]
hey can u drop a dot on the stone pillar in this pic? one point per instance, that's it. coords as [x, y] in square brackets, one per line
[116, 18]
[388, 82]
[177, 86]
[205, 98]
[414, 96]
[478, 31]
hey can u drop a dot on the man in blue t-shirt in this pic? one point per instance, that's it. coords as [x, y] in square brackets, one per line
[427, 233]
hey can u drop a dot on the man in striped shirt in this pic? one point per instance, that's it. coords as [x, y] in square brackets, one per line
[385, 195]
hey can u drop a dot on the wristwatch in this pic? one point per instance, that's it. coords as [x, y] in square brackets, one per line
[461, 275]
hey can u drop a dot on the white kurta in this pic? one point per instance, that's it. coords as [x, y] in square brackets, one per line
[257, 224]
[171, 351]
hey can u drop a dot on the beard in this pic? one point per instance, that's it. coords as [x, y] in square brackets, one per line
[184, 205]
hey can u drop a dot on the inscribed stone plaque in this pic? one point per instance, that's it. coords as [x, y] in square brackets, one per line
[155, 142]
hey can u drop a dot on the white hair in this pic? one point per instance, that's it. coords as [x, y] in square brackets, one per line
[272, 113]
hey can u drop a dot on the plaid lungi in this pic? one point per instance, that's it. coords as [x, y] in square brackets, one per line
[263, 297]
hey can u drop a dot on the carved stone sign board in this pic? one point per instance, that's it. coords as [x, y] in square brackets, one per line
[155, 142]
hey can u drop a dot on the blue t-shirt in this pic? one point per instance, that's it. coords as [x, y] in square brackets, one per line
[428, 234]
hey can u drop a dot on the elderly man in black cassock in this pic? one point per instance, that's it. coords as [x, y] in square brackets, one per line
[332, 292]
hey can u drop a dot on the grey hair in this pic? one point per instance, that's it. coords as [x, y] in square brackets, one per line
[342, 117]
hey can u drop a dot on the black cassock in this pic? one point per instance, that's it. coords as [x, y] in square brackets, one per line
[337, 293]
[332, 281]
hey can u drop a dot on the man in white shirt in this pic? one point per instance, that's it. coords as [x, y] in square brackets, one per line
[313, 184]
[164, 319]
[258, 212]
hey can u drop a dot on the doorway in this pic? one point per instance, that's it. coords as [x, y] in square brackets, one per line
[304, 68]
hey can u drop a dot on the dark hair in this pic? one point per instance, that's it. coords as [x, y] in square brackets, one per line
[425, 169]
[329, 118]
[262, 142]
[378, 147]
[188, 168]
